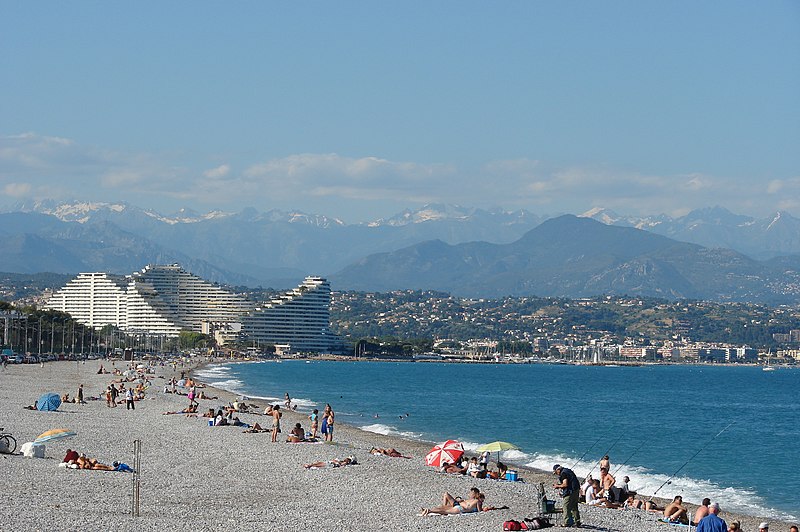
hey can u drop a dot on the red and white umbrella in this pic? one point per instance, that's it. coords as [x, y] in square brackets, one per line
[449, 452]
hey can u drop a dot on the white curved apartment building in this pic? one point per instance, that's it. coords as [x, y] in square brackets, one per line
[93, 299]
[300, 318]
[162, 299]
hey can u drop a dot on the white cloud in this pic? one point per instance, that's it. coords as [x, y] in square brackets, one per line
[17, 190]
[57, 168]
[218, 172]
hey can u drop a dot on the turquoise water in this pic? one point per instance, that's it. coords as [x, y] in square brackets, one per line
[650, 419]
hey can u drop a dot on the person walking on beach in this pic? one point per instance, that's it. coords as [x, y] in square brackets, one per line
[129, 399]
[113, 396]
[570, 488]
[80, 395]
[276, 422]
[711, 522]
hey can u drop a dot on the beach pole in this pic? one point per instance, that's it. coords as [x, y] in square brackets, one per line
[137, 466]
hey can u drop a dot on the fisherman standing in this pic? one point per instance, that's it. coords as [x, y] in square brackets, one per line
[570, 488]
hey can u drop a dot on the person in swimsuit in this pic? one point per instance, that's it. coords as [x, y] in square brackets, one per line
[453, 506]
[350, 460]
[329, 421]
[314, 417]
[276, 422]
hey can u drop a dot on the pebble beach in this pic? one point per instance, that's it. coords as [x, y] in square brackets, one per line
[196, 477]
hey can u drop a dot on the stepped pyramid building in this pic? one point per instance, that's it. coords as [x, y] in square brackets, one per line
[299, 318]
[156, 300]
[166, 299]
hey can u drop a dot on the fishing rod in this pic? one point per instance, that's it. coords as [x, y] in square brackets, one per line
[605, 453]
[587, 451]
[631, 456]
[690, 459]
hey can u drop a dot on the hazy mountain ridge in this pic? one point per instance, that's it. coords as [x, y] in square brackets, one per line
[277, 248]
[577, 257]
[717, 227]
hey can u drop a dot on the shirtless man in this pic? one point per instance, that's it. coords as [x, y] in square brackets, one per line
[276, 422]
[452, 506]
[607, 481]
[676, 512]
[297, 435]
[702, 510]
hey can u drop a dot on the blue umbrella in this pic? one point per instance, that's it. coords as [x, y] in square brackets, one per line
[49, 402]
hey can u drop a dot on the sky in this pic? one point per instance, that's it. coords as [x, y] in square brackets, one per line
[359, 110]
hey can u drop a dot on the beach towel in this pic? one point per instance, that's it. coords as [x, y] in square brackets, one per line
[673, 523]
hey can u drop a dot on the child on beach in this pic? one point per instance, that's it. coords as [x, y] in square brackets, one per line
[314, 417]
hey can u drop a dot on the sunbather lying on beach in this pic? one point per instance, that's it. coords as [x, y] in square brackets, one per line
[454, 506]
[350, 460]
[188, 410]
[394, 453]
[454, 469]
[256, 428]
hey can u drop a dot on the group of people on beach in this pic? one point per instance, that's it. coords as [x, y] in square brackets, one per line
[75, 460]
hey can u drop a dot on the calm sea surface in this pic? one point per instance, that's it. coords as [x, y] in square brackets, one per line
[650, 419]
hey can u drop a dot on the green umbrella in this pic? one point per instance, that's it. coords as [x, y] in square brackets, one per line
[497, 447]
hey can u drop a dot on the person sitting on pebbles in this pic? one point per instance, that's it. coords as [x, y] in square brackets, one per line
[297, 435]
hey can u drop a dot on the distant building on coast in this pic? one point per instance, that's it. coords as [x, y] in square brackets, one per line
[299, 319]
[164, 299]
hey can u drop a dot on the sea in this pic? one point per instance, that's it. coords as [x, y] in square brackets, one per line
[728, 433]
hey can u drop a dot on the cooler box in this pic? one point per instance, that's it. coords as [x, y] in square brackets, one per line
[511, 475]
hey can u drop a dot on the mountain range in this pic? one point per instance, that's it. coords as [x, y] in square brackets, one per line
[710, 253]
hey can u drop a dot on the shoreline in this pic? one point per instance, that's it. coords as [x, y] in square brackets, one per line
[201, 478]
[526, 471]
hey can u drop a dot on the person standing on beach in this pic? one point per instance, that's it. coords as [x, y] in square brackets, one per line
[276, 422]
[570, 488]
[314, 417]
[329, 435]
[129, 399]
[711, 522]
[325, 421]
[80, 394]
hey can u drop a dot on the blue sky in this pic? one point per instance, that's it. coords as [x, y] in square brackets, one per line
[359, 110]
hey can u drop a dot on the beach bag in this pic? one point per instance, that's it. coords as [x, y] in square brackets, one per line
[512, 525]
[539, 522]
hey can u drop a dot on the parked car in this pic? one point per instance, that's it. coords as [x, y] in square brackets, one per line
[31, 359]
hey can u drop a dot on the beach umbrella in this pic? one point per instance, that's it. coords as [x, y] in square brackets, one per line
[49, 402]
[54, 434]
[497, 447]
[449, 451]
